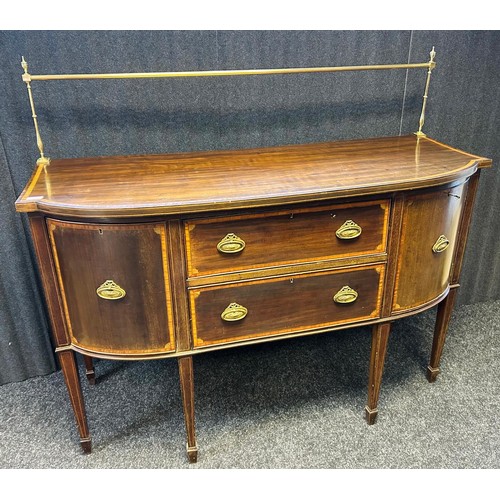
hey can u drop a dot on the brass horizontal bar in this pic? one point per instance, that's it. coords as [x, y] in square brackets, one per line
[229, 72]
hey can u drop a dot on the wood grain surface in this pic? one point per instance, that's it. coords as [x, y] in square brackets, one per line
[221, 180]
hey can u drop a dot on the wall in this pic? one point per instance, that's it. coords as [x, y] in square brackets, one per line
[90, 118]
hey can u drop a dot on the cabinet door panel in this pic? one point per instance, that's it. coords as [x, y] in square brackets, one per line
[114, 285]
[429, 232]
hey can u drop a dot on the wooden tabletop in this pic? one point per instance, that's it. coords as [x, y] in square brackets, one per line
[120, 186]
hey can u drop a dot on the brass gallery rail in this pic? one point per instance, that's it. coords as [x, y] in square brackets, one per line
[226, 72]
[27, 78]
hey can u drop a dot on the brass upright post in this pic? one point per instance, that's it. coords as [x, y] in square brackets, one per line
[432, 65]
[27, 79]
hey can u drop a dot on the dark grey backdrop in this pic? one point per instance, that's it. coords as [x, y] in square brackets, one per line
[85, 118]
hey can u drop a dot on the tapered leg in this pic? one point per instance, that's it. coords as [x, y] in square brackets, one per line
[187, 390]
[89, 369]
[380, 336]
[70, 372]
[442, 320]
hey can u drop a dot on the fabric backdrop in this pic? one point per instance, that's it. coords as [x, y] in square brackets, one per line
[91, 118]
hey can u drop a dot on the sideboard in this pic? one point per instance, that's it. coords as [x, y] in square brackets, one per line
[169, 256]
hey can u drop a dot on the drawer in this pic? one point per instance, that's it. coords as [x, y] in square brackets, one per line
[114, 286]
[284, 304]
[239, 243]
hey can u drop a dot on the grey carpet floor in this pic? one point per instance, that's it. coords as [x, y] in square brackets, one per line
[289, 404]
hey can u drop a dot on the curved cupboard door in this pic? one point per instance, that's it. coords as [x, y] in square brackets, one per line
[429, 232]
[114, 284]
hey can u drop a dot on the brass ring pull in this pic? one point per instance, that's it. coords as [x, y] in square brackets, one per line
[442, 243]
[348, 230]
[231, 244]
[109, 290]
[345, 295]
[234, 312]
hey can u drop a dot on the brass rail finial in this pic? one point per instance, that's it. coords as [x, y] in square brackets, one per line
[432, 65]
[27, 79]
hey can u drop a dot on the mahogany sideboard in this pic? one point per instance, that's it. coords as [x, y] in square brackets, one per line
[167, 256]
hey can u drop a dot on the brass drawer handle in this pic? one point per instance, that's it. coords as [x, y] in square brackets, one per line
[345, 295]
[442, 243]
[234, 312]
[231, 244]
[348, 230]
[109, 290]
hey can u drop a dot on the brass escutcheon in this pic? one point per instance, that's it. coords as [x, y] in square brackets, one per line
[345, 295]
[109, 290]
[231, 244]
[234, 312]
[442, 243]
[348, 230]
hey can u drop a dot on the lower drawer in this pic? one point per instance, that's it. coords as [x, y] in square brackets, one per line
[287, 304]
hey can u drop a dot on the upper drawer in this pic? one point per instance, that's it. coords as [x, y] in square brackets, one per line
[285, 237]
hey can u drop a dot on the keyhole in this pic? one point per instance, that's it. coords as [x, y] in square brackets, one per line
[100, 231]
